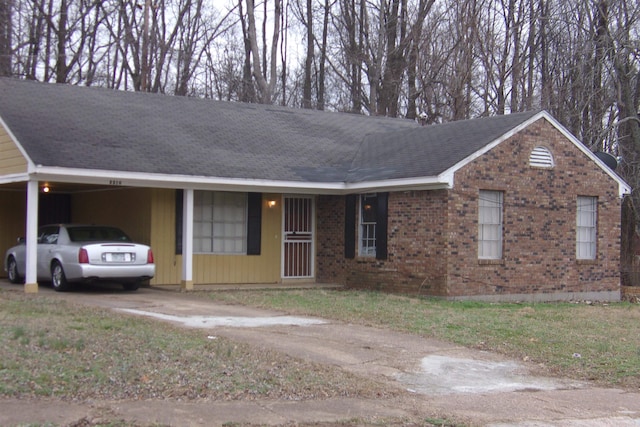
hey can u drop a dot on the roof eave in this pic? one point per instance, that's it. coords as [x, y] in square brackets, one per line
[150, 180]
[453, 169]
[442, 181]
[14, 178]
[623, 187]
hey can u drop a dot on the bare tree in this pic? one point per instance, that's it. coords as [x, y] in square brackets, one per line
[413, 49]
[323, 54]
[5, 37]
[347, 25]
[248, 93]
[307, 21]
[265, 87]
[447, 60]
[620, 18]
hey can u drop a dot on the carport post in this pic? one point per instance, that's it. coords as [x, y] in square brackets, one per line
[187, 241]
[31, 273]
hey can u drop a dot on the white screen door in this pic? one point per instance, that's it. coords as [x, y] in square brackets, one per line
[298, 237]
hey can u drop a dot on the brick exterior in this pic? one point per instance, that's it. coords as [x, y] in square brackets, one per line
[330, 260]
[432, 235]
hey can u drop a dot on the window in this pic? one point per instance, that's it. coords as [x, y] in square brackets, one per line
[586, 228]
[490, 225]
[220, 222]
[368, 220]
[93, 233]
[48, 234]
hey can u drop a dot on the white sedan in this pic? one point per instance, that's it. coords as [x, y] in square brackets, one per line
[69, 253]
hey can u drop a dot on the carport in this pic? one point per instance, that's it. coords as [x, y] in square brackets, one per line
[37, 198]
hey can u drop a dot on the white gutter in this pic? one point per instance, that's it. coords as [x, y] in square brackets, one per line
[10, 179]
[151, 180]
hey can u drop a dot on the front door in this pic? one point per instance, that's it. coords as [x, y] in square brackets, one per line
[297, 262]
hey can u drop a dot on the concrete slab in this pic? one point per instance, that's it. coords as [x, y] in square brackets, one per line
[440, 375]
[207, 322]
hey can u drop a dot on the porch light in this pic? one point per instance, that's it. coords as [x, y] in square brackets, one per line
[271, 203]
[45, 188]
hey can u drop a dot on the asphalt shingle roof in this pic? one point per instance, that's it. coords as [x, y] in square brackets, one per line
[102, 129]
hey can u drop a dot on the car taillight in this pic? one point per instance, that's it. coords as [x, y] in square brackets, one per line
[150, 257]
[83, 256]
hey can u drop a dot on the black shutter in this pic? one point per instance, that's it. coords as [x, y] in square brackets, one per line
[179, 204]
[381, 225]
[350, 226]
[254, 223]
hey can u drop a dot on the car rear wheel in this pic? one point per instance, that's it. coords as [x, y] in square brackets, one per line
[58, 279]
[12, 269]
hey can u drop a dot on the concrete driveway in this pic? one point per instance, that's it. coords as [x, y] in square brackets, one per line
[478, 387]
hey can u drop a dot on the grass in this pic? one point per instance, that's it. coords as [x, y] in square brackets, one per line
[598, 342]
[51, 348]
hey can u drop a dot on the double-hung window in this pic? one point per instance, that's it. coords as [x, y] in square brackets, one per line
[490, 207]
[586, 223]
[368, 221]
[220, 222]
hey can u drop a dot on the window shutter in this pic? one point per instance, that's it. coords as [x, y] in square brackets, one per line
[381, 226]
[179, 202]
[350, 226]
[254, 223]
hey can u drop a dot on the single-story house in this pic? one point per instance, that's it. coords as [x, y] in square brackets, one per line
[500, 208]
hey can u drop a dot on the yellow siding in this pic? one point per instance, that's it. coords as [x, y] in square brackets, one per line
[13, 214]
[212, 269]
[11, 160]
[128, 209]
[163, 219]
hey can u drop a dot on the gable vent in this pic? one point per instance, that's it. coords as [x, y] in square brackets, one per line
[541, 157]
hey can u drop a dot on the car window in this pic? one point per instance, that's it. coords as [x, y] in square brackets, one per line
[97, 234]
[48, 235]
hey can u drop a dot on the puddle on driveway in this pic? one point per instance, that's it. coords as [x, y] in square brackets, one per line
[235, 321]
[446, 375]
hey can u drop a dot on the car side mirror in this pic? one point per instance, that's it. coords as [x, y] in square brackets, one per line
[21, 240]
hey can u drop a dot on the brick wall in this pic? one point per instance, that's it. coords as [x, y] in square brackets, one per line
[416, 244]
[330, 261]
[432, 235]
[539, 221]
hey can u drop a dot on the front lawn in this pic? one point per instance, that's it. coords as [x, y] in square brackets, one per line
[53, 348]
[599, 342]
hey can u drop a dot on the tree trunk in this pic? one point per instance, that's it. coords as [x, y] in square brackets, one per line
[247, 92]
[306, 90]
[323, 55]
[61, 61]
[5, 37]
[265, 87]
